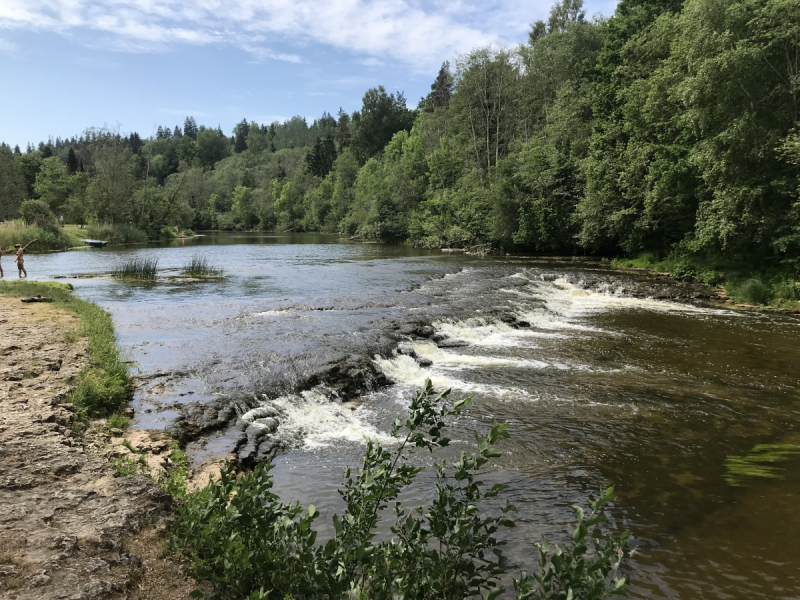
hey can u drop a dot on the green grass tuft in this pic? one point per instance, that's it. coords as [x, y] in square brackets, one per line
[199, 267]
[140, 269]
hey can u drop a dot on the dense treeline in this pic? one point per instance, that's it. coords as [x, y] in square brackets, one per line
[669, 128]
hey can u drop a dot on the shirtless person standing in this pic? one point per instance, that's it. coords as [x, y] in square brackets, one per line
[20, 258]
[1, 262]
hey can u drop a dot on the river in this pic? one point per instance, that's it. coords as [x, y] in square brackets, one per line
[600, 383]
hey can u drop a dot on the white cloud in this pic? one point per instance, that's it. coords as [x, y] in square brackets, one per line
[405, 30]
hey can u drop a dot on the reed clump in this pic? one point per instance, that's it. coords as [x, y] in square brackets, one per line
[200, 268]
[139, 269]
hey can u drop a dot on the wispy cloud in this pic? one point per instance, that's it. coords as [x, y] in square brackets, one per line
[417, 34]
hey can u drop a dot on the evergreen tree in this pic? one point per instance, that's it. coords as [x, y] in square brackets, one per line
[190, 128]
[321, 157]
[160, 133]
[135, 142]
[47, 151]
[176, 133]
[343, 129]
[441, 89]
[240, 133]
[72, 161]
[17, 150]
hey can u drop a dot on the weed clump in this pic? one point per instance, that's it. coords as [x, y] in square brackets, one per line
[141, 269]
[199, 267]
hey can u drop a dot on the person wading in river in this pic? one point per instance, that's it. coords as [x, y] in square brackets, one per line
[20, 258]
[1, 262]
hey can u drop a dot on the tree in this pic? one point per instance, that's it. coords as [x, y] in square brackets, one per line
[72, 161]
[51, 183]
[135, 142]
[188, 149]
[190, 128]
[37, 213]
[382, 115]
[160, 133]
[176, 133]
[240, 133]
[211, 146]
[441, 90]
[343, 129]
[13, 186]
[321, 157]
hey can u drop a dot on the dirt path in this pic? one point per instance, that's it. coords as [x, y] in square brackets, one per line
[64, 517]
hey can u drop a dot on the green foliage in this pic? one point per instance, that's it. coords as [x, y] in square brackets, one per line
[752, 291]
[247, 543]
[118, 420]
[37, 213]
[143, 269]
[758, 463]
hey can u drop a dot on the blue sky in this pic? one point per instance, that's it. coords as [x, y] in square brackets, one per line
[66, 65]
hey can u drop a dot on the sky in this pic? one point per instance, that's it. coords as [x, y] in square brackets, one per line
[66, 65]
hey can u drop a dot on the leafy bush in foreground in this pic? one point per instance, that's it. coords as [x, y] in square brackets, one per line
[250, 545]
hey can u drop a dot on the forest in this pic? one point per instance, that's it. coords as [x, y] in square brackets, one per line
[668, 132]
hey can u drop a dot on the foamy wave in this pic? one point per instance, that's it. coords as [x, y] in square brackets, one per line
[440, 357]
[405, 371]
[480, 332]
[311, 419]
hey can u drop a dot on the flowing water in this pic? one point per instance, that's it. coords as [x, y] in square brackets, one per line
[601, 385]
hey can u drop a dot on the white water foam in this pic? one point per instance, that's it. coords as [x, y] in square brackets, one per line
[481, 332]
[452, 359]
[313, 419]
[405, 371]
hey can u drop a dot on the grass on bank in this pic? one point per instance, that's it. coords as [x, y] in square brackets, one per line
[778, 289]
[104, 385]
[199, 267]
[17, 232]
[140, 269]
[114, 234]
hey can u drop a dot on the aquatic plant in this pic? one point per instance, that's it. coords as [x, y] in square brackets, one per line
[137, 268]
[199, 267]
[759, 462]
[247, 543]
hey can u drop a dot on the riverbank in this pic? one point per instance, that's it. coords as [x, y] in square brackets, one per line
[70, 525]
[734, 289]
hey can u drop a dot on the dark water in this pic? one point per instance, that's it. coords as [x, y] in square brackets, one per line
[603, 388]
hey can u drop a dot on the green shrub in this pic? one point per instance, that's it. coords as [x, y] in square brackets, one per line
[137, 268]
[786, 290]
[247, 543]
[37, 213]
[752, 291]
[684, 272]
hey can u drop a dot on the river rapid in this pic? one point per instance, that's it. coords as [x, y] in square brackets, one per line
[602, 376]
